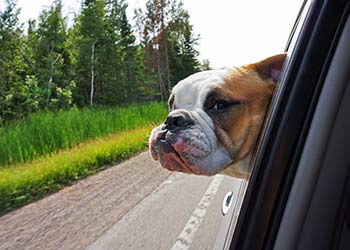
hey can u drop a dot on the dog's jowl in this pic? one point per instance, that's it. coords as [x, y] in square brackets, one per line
[214, 119]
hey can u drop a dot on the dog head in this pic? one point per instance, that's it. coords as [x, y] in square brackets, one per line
[215, 117]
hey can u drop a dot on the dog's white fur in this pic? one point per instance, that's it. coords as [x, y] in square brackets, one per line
[191, 92]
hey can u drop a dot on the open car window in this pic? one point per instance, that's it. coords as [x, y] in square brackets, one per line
[317, 75]
[228, 227]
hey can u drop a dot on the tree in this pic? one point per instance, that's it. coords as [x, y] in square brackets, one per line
[107, 48]
[11, 63]
[150, 86]
[51, 59]
[169, 42]
[132, 69]
[22, 98]
[205, 65]
[15, 100]
[91, 38]
[182, 42]
[157, 16]
[29, 47]
[121, 41]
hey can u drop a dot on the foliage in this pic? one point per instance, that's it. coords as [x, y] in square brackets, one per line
[21, 184]
[45, 133]
[21, 98]
[169, 42]
[50, 57]
[182, 41]
[97, 60]
[129, 69]
[205, 65]
[91, 45]
[12, 67]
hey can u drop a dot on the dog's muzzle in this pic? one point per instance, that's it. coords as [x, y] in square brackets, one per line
[187, 142]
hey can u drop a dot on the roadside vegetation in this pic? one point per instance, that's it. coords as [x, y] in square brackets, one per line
[27, 182]
[47, 132]
[118, 134]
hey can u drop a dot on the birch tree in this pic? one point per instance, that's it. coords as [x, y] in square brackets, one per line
[92, 86]
[90, 41]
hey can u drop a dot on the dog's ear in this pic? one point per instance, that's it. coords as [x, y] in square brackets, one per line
[271, 67]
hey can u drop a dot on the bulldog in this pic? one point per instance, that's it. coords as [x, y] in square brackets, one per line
[215, 118]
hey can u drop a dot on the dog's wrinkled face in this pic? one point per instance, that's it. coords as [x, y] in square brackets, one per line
[215, 118]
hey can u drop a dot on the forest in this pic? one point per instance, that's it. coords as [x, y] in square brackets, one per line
[99, 59]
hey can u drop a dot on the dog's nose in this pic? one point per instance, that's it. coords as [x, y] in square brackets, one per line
[178, 119]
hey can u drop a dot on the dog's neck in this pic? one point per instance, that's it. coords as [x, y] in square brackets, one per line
[241, 169]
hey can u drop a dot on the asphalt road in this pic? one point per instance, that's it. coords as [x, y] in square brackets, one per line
[133, 205]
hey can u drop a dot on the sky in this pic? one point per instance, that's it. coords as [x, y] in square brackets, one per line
[232, 32]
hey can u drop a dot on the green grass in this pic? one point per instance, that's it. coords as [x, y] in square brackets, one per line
[22, 183]
[46, 133]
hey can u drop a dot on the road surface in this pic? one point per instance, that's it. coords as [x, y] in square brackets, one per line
[133, 205]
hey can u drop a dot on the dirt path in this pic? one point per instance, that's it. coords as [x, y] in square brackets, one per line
[70, 218]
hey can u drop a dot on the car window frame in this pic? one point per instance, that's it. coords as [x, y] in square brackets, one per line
[284, 137]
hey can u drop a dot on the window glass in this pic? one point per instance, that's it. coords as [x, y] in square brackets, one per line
[131, 124]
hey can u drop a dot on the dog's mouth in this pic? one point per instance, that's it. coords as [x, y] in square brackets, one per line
[171, 159]
[163, 149]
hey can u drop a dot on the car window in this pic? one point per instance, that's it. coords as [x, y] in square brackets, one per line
[229, 222]
[132, 124]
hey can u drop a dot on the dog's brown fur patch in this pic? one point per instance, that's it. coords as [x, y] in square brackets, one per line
[243, 123]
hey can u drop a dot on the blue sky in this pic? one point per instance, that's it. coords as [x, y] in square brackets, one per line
[232, 32]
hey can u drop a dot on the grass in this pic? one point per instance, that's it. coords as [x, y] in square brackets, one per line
[22, 183]
[46, 133]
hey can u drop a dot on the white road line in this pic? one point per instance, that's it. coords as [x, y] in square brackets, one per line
[187, 235]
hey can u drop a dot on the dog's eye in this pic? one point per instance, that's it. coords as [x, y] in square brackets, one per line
[222, 104]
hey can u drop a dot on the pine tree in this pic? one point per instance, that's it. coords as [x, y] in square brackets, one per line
[128, 54]
[131, 59]
[169, 42]
[122, 40]
[182, 40]
[150, 86]
[152, 24]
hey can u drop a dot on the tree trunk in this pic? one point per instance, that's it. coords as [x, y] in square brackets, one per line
[49, 87]
[52, 68]
[160, 79]
[92, 74]
[167, 63]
